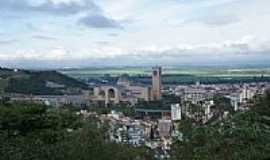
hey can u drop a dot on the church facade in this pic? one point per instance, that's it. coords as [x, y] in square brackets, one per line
[125, 91]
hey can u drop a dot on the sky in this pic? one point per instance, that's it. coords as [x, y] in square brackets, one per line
[85, 33]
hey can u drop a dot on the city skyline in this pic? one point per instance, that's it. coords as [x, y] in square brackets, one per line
[85, 33]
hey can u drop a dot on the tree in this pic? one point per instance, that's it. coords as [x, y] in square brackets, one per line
[246, 135]
[36, 132]
[222, 104]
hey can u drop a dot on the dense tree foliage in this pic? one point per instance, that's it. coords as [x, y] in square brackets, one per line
[246, 135]
[30, 85]
[34, 82]
[35, 132]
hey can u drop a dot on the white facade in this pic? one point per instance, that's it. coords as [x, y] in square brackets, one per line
[176, 113]
[164, 128]
[246, 94]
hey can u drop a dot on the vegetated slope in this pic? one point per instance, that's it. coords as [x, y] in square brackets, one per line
[37, 132]
[34, 82]
[243, 135]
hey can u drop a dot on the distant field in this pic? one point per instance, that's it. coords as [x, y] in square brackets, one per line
[173, 75]
[99, 72]
[208, 72]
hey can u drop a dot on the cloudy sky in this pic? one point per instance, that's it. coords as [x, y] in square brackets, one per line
[82, 33]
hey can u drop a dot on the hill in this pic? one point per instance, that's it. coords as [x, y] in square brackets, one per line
[38, 82]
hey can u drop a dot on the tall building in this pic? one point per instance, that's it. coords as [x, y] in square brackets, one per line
[176, 113]
[156, 83]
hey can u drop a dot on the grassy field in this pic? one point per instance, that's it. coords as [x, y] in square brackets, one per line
[208, 72]
[174, 75]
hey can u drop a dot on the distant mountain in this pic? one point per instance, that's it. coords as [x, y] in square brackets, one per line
[38, 82]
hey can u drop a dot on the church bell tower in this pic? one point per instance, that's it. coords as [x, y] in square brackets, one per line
[156, 83]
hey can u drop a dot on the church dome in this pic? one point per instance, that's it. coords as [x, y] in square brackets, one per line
[123, 81]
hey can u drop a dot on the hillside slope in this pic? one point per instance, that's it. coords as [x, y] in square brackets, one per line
[36, 82]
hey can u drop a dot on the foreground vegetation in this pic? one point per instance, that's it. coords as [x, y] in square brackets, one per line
[36, 132]
[243, 136]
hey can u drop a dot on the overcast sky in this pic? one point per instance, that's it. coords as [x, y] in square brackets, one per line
[81, 33]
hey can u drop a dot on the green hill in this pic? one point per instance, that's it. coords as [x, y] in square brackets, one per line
[35, 82]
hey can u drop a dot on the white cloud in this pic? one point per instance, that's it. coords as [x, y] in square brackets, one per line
[244, 46]
[166, 31]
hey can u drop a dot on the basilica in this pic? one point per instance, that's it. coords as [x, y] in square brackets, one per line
[125, 91]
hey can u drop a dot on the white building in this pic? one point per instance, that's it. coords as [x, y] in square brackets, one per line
[247, 94]
[176, 113]
[194, 95]
[164, 128]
